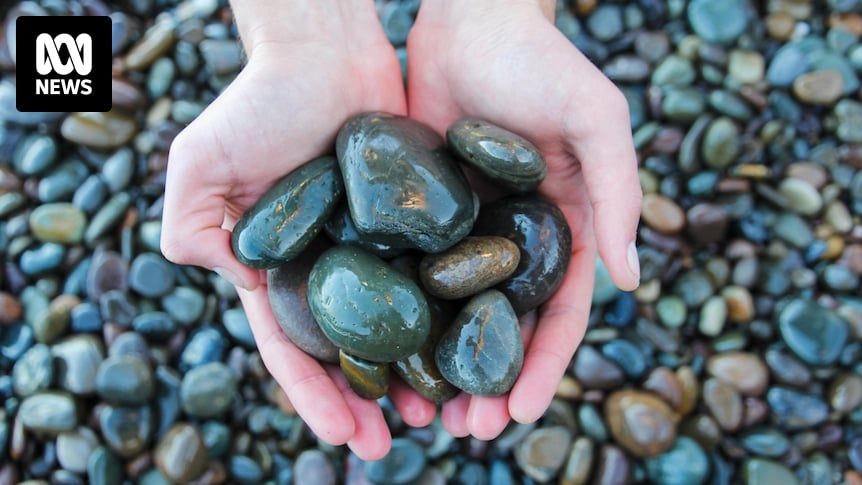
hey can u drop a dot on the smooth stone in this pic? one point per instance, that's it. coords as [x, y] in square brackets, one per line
[160, 77]
[474, 264]
[126, 430]
[99, 130]
[707, 223]
[34, 154]
[156, 42]
[543, 452]
[840, 278]
[613, 467]
[724, 404]
[504, 157]
[591, 423]
[208, 390]
[721, 143]
[287, 287]
[594, 370]
[74, 449]
[694, 287]
[369, 380]
[205, 345]
[125, 380]
[103, 468]
[793, 229]
[151, 275]
[743, 371]
[313, 466]
[627, 69]
[628, 356]
[180, 454]
[396, 19]
[238, 327]
[77, 363]
[673, 70]
[579, 464]
[845, 393]
[34, 371]
[662, 214]
[287, 218]
[849, 115]
[802, 197]
[544, 239]
[767, 442]
[341, 229]
[167, 398]
[59, 222]
[108, 271]
[53, 322]
[244, 470]
[794, 410]
[622, 311]
[49, 412]
[62, 182]
[683, 104]
[185, 304]
[217, 438]
[760, 471]
[786, 369]
[11, 202]
[814, 333]
[154, 325]
[119, 169]
[403, 188]
[221, 57]
[482, 352]
[664, 383]
[605, 23]
[684, 464]
[10, 308]
[107, 217]
[42, 259]
[730, 104]
[365, 307]
[822, 88]
[718, 22]
[640, 422]
[118, 308]
[746, 66]
[403, 465]
[713, 316]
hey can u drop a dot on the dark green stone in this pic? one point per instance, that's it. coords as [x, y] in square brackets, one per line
[403, 187]
[541, 232]
[365, 307]
[288, 216]
[814, 333]
[369, 380]
[472, 265]
[341, 229]
[482, 351]
[504, 157]
[287, 286]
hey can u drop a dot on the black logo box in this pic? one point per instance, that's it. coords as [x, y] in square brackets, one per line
[28, 28]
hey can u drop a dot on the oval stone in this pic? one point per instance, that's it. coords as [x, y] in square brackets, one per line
[125, 379]
[504, 157]
[742, 371]
[181, 454]
[208, 390]
[341, 229]
[544, 240]
[814, 333]
[99, 130]
[482, 352]
[59, 222]
[402, 465]
[640, 422]
[365, 307]
[48, 412]
[403, 187]
[288, 216]
[472, 265]
[369, 380]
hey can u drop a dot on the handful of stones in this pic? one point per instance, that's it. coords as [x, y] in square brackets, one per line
[414, 276]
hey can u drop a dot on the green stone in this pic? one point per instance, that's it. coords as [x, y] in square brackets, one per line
[365, 307]
[369, 380]
[482, 352]
[341, 229]
[504, 157]
[208, 390]
[403, 187]
[759, 471]
[59, 222]
[718, 22]
[544, 239]
[48, 412]
[288, 216]
[472, 265]
[721, 143]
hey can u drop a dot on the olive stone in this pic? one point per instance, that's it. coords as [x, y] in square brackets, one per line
[499, 154]
[181, 454]
[365, 307]
[59, 222]
[482, 352]
[288, 216]
[369, 380]
[403, 187]
[208, 390]
[472, 265]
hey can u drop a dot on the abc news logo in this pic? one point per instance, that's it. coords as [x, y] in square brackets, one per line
[63, 64]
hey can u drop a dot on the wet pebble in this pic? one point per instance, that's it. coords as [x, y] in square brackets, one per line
[180, 454]
[640, 422]
[543, 452]
[472, 265]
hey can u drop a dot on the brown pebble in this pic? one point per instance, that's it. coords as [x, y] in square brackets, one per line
[845, 393]
[467, 268]
[723, 403]
[665, 384]
[780, 25]
[690, 390]
[10, 309]
[819, 87]
[641, 422]
[707, 223]
[742, 371]
[126, 95]
[662, 214]
[740, 303]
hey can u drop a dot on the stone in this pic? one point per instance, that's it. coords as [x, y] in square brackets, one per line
[313, 466]
[34, 154]
[154, 325]
[504, 157]
[126, 430]
[74, 449]
[794, 410]
[707, 223]
[664, 383]
[746, 67]
[544, 239]
[156, 41]
[543, 452]
[104, 131]
[365, 307]
[849, 115]
[369, 380]
[287, 288]
[151, 275]
[205, 345]
[482, 352]
[208, 390]
[801, 196]
[77, 362]
[180, 454]
[34, 371]
[221, 57]
[740, 303]
[103, 467]
[640, 422]
[743, 371]
[51, 412]
[402, 186]
[761, 471]
[107, 217]
[613, 466]
[662, 214]
[119, 169]
[718, 22]
[595, 371]
[787, 369]
[184, 304]
[579, 463]
[713, 316]
[42, 259]
[684, 464]
[845, 393]
[341, 229]
[724, 404]
[720, 146]
[10, 308]
[814, 333]
[58, 222]
[467, 268]
[108, 271]
[628, 356]
[818, 87]
[403, 465]
[284, 221]
[125, 380]
[236, 323]
[767, 442]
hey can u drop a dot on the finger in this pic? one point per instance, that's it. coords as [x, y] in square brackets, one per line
[194, 210]
[371, 438]
[487, 416]
[608, 162]
[560, 328]
[311, 391]
[454, 415]
[415, 410]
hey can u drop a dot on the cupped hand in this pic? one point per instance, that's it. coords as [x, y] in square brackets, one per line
[505, 62]
[308, 70]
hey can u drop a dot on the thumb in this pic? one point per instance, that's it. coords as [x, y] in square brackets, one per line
[193, 218]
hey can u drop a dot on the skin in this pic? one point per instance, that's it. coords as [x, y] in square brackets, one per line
[302, 83]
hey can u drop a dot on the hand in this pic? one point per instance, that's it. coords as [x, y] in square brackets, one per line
[505, 62]
[312, 64]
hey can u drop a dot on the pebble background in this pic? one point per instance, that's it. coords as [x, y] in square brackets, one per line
[737, 360]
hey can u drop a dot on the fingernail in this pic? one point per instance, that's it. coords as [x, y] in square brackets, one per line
[230, 276]
[634, 262]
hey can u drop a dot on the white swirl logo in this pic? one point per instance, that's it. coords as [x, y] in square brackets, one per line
[48, 54]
